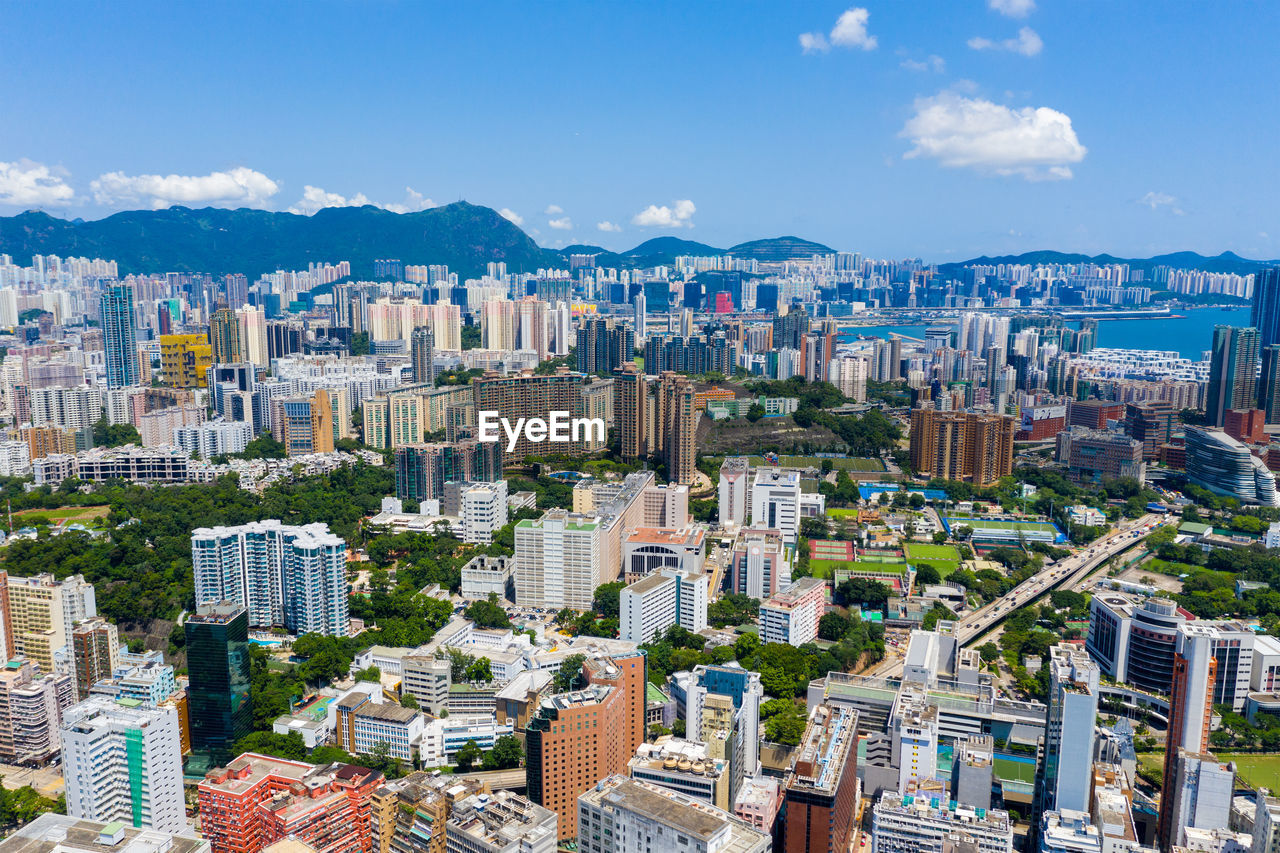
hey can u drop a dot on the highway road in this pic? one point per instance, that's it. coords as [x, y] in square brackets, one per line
[1067, 572]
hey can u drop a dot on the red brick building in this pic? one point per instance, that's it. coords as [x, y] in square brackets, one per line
[1093, 414]
[1245, 425]
[257, 800]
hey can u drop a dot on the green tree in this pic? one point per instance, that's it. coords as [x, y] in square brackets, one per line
[606, 599]
[506, 753]
[755, 412]
[467, 756]
[567, 676]
[488, 613]
[114, 435]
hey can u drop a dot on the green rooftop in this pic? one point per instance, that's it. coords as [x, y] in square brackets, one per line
[652, 693]
[129, 703]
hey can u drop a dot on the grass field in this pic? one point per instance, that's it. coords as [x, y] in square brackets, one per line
[842, 512]
[87, 515]
[1258, 770]
[824, 568]
[922, 551]
[861, 465]
[1020, 771]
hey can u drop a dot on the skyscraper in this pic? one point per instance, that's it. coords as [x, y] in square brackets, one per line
[422, 356]
[289, 576]
[185, 360]
[1266, 306]
[1269, 384]
[604, 345]
[119, 336]
[961, 445]
[1190, 708]
[1069, 726]
[219, 705]
[675, 426]
[224, 337]
[1232, 371]
[631, 393]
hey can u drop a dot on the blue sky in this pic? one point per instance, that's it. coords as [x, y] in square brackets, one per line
[940, 130]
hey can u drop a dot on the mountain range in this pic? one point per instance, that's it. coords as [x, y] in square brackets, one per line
[464, 236]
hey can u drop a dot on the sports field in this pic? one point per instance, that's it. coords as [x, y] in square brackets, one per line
[846, 463]
[1011, 769]
[1005, 529]
[923, 551]
[1259, 770]
[944, 558]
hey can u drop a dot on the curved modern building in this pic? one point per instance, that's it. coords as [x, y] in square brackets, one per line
[1224, 466]
[1134, 641]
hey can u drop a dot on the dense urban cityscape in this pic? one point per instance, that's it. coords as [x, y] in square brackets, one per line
[394, 458]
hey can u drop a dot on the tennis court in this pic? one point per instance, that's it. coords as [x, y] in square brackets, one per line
[831, 549]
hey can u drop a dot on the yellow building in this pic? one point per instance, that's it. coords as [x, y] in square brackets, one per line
[185, 360]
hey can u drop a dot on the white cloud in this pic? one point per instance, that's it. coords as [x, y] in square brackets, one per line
[413, 202]
[561, 224]
[511, 216]
[932, 63]
[608, 226]
[1012, 8]
[553, 209]
[972, 133]
[850, 31]
[1157, 200]
[31, 184]
[814, 43]
[678, 215]
[315, 199]
[238, 186]
[1027, 43]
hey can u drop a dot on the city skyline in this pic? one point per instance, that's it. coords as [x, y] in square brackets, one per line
[1046, 130]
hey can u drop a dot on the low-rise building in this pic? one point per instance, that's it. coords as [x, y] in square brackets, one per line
[621, 815]
[791, 616]
[685, 767]
[931, 824]
[500, 823]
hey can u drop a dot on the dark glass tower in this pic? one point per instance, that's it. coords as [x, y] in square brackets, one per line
[422, 353]
[220, 709]
[1266, 306]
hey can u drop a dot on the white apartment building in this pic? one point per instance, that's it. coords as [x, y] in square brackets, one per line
[775, 502]
[482, 507]
[561, 560]
[651, 605]
[68, 408]
[214, 439]
[284, 575]
[792, 615]
[621, 815]
[123, 762]
[15, 459]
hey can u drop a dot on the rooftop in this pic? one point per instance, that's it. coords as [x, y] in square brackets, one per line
[54, 832]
